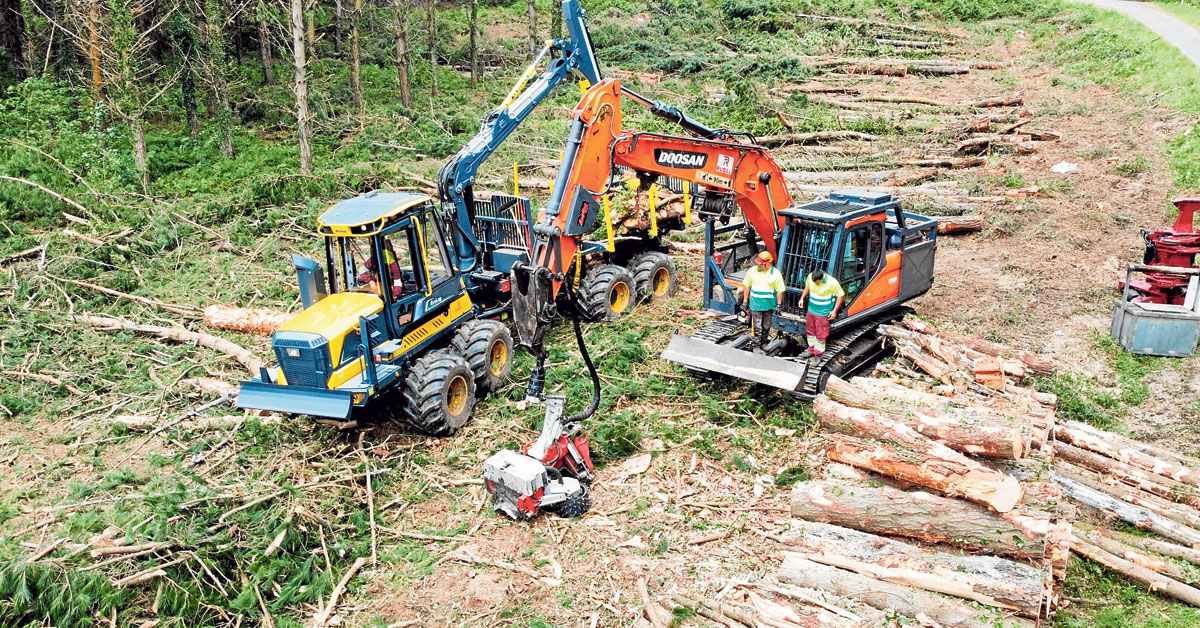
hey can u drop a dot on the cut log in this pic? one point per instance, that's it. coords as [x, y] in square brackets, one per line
[903, 100]
[955, 225]
[876, 69]
[883, 25]
[1157, 583]
[998, 101]
[1086, 437]
[176, 334]
[982, 440]
[771, 141]
[251, 320]
[1143, 447]
[1180, 513]
[907, 43]
[1002, 413]
[798, 570]
[946, 162]
[1034, 362]
[1156, 564]
[1145, 480]
[985, 579]
[949, 475]
[926, 517]
[1159, 547]
[1133, 515]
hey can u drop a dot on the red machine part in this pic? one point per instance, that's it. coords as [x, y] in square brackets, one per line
[559, 455]
[530, 504]
[1177, 246]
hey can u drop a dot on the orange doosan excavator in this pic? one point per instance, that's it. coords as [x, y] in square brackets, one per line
[881, 255]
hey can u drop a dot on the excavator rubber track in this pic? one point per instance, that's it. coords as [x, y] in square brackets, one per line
[715, 350]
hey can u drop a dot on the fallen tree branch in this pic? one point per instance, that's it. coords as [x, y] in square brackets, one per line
[176, 334]
[771, 141]
[15, 257]
[43, 378]
[186, 310]
[47, 191]
[322, 617]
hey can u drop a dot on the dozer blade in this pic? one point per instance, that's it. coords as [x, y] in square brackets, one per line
[762, 369]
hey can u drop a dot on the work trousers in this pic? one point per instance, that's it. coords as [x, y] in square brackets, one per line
[760, 325]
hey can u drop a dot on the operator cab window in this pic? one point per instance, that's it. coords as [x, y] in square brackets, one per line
[430, 236]
[357, 268]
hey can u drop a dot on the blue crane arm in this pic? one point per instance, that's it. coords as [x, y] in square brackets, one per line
[456, 178]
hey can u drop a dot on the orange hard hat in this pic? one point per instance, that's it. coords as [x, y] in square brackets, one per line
[765, 257]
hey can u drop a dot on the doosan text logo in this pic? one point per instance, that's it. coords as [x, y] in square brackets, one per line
[679, 158]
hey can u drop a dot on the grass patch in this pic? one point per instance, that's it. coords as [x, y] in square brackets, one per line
[1133, 167]
[1131, 369]
[1079, 399]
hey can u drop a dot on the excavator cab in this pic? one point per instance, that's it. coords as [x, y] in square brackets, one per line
[880, 254]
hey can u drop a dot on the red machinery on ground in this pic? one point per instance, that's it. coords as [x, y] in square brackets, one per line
[1175, 246]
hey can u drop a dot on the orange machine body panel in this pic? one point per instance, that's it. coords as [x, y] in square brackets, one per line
[883, 288]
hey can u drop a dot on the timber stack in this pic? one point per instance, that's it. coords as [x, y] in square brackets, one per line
[952, 478]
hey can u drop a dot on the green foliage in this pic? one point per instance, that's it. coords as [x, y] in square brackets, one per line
[791, 476]
[1079, 399]
[1132, 370]
[1134, 167]
[33, 593]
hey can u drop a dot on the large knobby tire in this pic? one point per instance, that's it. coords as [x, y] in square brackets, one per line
[654, 275]
[488, 348]
[606, 292]
[439, 393]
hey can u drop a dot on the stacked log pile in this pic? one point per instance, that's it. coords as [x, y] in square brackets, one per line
[954, 477]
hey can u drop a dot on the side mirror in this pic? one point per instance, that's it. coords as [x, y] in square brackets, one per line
[311, 278]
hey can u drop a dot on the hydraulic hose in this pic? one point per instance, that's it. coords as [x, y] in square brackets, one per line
[587, 359]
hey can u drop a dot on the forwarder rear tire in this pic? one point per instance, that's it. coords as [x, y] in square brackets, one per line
[439, 393]
[487, 346]
[606, 292]
[654, 275]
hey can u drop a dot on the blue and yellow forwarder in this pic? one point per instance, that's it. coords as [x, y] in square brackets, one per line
[389, 314]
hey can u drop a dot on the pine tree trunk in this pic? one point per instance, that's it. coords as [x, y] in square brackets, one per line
[355, 60]
[138, 130]
[312, 29]
[264, 51]
[94, 46]
[218, 65]
[474, 43]
[433, 64]
[337, 26]
[187, 86]
[533, 38]
[401, 27]
[306, 159]
[12, 33]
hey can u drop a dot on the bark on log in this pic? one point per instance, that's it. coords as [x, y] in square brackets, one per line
[251, 320]
[1086, 437]
[1156, 564]
[1034, 362]
[1180, 513]
[986, 579]
[931, 518]
[177, 334]
[1149, 482]
[800, 571]
[997, 101]
[1133, 515]
[772, 141]
[1003, 413]
[946, 162]
[982, 440]
[954, 225]
[953, 476]
[1159, 547]
[1157, 583]
[907, 43]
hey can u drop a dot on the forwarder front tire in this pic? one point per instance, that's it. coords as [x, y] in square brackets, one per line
[487, 346]
[606, 292]
[654, 275]
[439, 393]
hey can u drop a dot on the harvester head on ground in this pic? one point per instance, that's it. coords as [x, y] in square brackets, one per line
[1175, 246]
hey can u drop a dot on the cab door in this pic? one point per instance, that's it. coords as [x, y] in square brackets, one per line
[860, 259]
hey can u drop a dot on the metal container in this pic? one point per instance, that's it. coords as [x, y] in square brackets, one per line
[1154, 328]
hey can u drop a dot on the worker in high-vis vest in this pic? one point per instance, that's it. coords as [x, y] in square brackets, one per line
[762, 294]
[824, 295]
